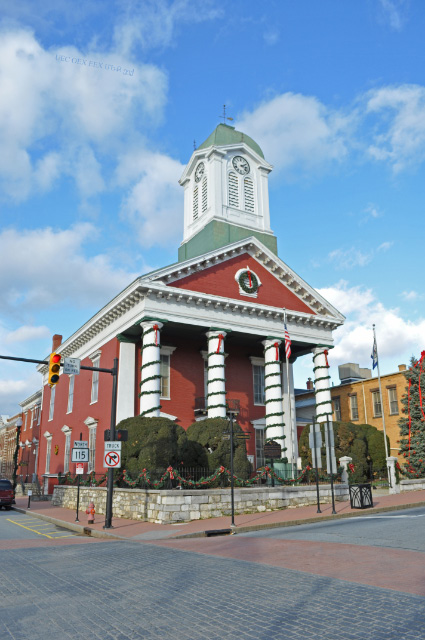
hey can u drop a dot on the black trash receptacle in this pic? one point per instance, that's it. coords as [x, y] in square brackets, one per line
[361, 496]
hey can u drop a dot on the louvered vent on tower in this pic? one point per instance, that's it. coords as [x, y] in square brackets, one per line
[233, 190]
[204, 194]
[249, 195]
[195, 203]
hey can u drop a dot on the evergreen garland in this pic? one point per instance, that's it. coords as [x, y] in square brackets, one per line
[148, 364]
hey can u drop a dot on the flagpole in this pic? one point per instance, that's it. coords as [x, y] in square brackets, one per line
[289, 405]
[375, 346]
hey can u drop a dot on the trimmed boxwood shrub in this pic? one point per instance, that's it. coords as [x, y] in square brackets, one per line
[156, 443]
[209, 434]
[363, 443]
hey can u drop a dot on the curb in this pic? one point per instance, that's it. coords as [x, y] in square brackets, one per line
[94, 533]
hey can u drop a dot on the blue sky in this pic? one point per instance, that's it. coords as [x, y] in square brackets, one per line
[332, 91]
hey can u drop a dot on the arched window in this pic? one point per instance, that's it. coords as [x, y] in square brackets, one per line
[233, 190]
[195, 203]
[248, 189]
[204, 194]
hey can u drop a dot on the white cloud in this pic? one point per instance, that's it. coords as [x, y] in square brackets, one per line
[400, 121]
[153, 23]
[385, 246]
[34, 284]
[155, 203]
[398, 338]
[411, 295]
[271, 36]
[393, 11]
[26, 333]
[58, 116]
[349, 258]
[297, 131]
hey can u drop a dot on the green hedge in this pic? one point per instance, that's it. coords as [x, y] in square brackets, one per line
[209, 434]
[364, 443]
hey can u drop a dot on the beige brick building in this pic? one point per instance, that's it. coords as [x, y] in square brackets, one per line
[357, 400]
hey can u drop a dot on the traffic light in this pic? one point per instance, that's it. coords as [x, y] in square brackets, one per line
[54, 368]
[120, 434]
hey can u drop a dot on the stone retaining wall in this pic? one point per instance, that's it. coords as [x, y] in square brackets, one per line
[183, 505]
[412, 485]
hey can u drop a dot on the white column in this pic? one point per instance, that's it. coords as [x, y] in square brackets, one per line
[322, 385]
[126, 378]
[216, 397]
[150, 386]
[290, 416]
[273, 393]
[344, 462]
[391, 461]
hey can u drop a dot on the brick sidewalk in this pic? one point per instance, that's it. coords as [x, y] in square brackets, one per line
[139, 530]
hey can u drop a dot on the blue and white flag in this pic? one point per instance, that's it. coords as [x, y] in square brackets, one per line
[374, 354]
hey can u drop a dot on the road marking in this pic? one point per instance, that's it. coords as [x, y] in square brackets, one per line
[40, 533]
[421, 515]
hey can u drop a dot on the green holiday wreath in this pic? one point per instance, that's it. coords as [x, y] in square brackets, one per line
[244, 282]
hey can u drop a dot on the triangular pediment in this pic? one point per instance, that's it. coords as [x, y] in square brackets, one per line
[215, 273]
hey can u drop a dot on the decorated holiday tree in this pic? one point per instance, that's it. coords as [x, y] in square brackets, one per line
[412, 424]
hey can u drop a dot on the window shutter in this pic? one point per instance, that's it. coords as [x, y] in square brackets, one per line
[249, 195]
[233, 190]
[195, 203]
[204, 194]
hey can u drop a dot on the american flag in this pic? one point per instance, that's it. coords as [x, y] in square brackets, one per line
[287, 343]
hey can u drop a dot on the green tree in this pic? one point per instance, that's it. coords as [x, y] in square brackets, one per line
[209, 433]
[411, 406]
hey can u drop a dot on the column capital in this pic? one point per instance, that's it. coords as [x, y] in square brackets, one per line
[214, 333]
[271, 342]
[149, 324]
[320, 348]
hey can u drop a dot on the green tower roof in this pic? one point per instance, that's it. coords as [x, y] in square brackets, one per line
[224, 134]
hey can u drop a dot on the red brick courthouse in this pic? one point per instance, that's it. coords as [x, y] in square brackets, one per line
[208, 328]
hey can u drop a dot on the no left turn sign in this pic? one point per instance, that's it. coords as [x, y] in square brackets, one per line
[112, 459]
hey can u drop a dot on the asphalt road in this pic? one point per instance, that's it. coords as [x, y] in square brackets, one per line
[76, 588]
[396, 530]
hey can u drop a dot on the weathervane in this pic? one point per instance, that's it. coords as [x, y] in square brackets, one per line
[224, 115]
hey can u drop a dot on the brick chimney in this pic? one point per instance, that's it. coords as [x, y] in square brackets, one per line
[402, 367]
[310, 384]
[56, 342]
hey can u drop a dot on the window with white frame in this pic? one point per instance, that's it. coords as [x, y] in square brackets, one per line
[165, 375]
[25, 420]
[95, 358]
[337, 408]
[38, 414]
[393, 401]
[92, 448]
[376, 404]
[71, 394]
[67, 451]
[259, 448]
[52, 402]
[354, 409]
[258, 377]
[48, 453]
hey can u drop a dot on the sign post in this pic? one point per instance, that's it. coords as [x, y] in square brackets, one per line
[315, 441]
[330, 457]
[110, 483]
[80, 455]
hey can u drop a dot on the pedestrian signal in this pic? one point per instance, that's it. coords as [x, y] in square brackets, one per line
[122, 434]
[54, 368]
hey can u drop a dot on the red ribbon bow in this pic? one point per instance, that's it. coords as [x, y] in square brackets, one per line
[170, 471]
[276, 344]
[249, 276]
[220, 340]
[155, 326]
[326, 357]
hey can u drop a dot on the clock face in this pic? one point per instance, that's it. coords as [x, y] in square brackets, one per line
[241, 165]
[200, 169]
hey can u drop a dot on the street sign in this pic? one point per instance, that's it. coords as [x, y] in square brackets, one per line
[71, 366]
[115, 445]
[79, 455]
[315, 437]
[81, 444]
[330, 448]
[79, 468]
[112, 459]
[29, 492]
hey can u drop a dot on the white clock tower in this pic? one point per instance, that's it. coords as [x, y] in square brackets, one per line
[226, 196]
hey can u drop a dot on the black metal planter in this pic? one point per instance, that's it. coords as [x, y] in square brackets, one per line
[361, 496]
